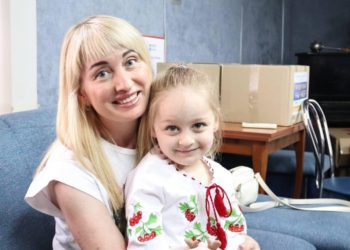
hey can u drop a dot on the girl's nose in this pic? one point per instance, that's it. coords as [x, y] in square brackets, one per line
[122, 80]
[186, 140]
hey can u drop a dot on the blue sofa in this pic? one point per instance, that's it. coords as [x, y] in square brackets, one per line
[24, 137]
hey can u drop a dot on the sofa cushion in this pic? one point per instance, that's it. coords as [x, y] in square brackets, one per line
[325, 230]
[277, 241]
[24, 137]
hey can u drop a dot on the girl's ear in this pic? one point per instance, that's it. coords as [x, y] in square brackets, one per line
[218, 119]
[216, 125]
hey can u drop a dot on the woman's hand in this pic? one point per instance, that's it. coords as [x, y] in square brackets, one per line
[249, 244]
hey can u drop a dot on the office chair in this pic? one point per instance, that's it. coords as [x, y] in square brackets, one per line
[317, 129]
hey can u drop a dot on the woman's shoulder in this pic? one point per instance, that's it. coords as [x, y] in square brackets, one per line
[61, 153]
[63, 167]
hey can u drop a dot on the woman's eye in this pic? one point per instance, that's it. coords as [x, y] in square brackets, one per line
[131, 61]
[102, 74]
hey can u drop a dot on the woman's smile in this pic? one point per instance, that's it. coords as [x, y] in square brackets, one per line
[129, 100]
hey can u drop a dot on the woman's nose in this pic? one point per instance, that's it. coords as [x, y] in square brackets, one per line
[122, 80]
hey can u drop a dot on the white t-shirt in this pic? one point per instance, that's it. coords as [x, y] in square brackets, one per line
[165, 206]
[63, 167]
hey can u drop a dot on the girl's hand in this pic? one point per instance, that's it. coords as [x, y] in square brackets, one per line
[249, 244]
[212, 244]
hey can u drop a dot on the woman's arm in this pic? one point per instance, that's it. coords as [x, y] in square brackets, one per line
[88, 219]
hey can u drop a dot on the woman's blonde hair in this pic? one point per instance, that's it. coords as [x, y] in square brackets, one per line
[177, 75]
[78, 127]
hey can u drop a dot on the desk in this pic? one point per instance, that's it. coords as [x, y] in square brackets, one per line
[259, 143]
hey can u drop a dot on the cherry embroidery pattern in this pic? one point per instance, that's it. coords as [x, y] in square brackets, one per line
[196, 233]
[189, 208]
[235, 223]
[137, 216]
[143, 230]
[236, 228]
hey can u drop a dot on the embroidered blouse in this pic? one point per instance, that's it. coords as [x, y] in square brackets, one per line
[165, 206]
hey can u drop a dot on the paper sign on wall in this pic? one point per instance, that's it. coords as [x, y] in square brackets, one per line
[156, 47]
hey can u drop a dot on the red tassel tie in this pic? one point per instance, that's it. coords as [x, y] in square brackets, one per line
[220, 233]
[218, 206]
[219, 203]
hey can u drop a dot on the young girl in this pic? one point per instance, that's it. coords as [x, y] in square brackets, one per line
[180, 198]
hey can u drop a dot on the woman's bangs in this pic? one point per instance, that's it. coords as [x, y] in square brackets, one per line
[97, 46]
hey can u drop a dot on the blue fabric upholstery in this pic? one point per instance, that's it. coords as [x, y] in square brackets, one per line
[281, 171]
[277, 241]
[337, 187]
[325, 230]
[283, 162]
[24, 137]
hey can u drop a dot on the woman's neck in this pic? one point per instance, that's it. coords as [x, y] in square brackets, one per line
[122, 134]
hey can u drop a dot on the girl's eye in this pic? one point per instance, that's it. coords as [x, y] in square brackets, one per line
[199, 125]
[102, 74]
[172, 128]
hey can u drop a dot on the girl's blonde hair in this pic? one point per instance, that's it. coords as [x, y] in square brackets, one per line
[78, 127]
[175, 76]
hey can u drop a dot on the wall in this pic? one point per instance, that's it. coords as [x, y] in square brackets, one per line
[196, 30]
[18, 78]
[5, 58]
[307, 21]
[262, 31]
[23, 55]
[226, 31]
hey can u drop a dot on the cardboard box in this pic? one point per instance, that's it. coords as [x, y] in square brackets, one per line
[212, 70]
[263, 93]
[340, 138]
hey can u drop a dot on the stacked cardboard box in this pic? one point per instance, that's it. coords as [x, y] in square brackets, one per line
[258, 93]
[263, 93]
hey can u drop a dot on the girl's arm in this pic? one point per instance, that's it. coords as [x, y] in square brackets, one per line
[88, 219]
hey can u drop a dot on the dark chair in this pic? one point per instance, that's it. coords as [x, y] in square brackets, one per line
[317, 130]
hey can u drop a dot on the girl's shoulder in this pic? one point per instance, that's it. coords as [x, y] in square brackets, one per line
[153, 163]
[217, 166]
[219, 171]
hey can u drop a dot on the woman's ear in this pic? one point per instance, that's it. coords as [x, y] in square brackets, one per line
[153, 133]
[83, 99]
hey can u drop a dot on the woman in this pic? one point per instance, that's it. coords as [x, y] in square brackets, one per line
[105, 77]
